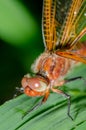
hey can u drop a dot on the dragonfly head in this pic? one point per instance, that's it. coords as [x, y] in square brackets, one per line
[34, 86]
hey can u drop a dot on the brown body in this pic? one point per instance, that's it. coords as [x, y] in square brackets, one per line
[50, 69]
[53, 67]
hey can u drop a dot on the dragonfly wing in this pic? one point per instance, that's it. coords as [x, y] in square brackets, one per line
[74, 23]
[61, 12]
[48, 24]
[72, 56]
[53, 15]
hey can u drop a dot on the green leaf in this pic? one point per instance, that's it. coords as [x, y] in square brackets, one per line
[53, 114]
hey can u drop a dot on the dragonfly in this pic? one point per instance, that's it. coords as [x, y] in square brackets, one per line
[63, 26]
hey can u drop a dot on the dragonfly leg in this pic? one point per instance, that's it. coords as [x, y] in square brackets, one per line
[61, 83]
[18, 90]
[38, 104]
[69, 104]
[75, 78]
[68, 98]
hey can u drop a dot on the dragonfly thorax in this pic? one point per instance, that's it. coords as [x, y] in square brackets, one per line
[51, 66]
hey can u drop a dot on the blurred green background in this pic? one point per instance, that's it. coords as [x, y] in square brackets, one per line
[20, 42]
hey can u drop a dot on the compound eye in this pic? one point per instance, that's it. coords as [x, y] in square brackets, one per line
[36, 83]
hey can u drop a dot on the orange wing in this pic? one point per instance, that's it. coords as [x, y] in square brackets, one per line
[74, 26]
[68, 33]
[72, 56]
[49, 24]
